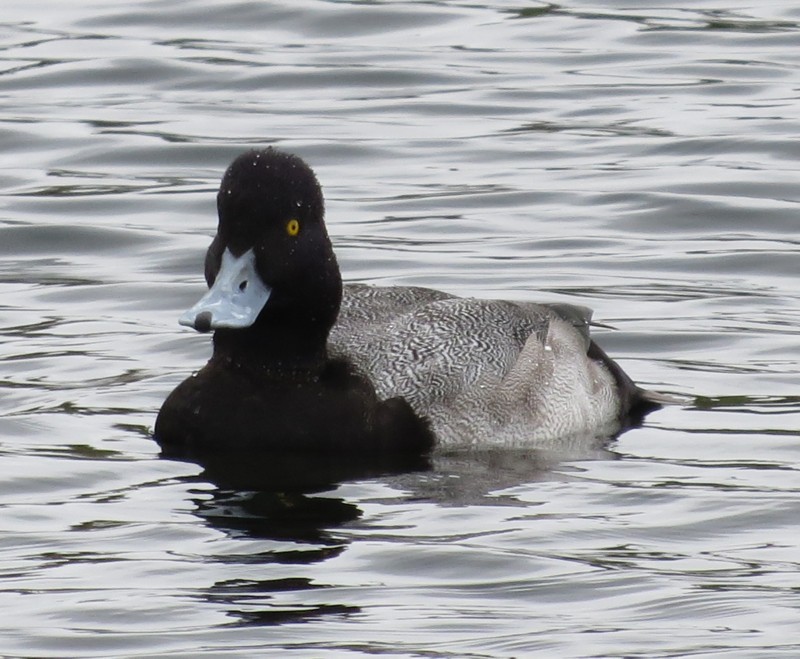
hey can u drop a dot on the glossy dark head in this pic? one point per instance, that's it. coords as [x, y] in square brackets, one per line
[271, 264]
[260, 192]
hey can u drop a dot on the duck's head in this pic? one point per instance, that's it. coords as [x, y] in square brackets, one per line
[271, 263]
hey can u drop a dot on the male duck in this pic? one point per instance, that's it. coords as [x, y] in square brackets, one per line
[300, 360]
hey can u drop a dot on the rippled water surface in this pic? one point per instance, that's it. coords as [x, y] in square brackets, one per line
[643, 162]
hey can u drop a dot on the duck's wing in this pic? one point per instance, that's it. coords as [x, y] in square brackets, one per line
[364, 305]
[577, 316]
[452, 357]
[428, 346]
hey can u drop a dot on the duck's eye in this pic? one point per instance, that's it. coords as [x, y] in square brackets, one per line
[293, 227]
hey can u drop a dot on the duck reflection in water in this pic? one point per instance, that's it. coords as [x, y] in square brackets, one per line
[302, 529]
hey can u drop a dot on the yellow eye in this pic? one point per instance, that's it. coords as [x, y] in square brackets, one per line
[293, 227]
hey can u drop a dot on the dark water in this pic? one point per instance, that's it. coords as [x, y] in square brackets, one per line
[640, 161]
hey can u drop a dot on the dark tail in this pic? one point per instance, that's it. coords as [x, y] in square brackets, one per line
[635, 403]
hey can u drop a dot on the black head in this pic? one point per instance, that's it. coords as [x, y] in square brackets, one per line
[260, 193]
[271, 266]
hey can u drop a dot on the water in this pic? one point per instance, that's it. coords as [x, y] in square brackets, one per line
[639, 161]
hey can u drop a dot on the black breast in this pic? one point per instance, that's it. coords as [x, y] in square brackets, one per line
[328, 410]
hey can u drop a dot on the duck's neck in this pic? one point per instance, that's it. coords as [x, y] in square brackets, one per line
[272, 348]
[290, 334]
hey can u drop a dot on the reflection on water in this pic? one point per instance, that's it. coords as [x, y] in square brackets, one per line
[271, 499]
[305, 521]
[302, 472]
[277, 515]
[279, 508]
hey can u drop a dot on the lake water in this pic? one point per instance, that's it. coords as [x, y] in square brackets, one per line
[644, 162]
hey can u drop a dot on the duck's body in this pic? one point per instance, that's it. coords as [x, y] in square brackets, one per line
[300, 361]
[485, 372]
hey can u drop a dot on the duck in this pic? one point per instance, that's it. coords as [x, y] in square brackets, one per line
[302, 359]
[271, 384]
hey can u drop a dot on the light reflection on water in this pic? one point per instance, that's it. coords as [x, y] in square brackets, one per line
[641, 162]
